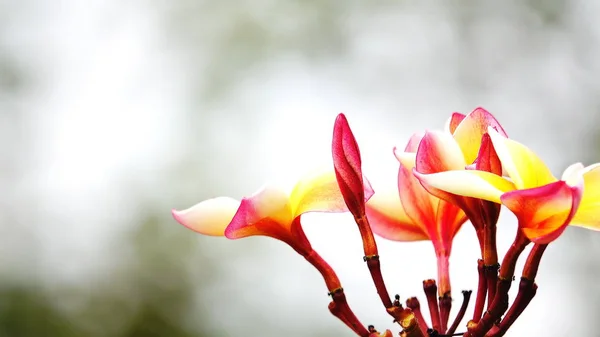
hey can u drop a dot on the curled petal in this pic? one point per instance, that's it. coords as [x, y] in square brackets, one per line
[438, 152]
[544, 212]
[468, 183]
[453, 122]
[267, 212]
[589, 208]
[470, 130]
[413, 143]
[523, 166]
[347, 164]
[388, 219]
[209, 217]
[487, 158]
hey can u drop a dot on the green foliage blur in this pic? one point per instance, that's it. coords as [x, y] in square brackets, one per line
[148, 294]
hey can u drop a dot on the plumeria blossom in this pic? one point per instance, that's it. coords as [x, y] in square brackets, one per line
[464, 145]
[414, 214]
[543, 204]
[272, 211]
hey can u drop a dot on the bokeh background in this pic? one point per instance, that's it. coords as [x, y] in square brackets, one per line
[114, 112]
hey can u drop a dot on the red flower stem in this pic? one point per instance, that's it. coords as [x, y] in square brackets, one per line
[430, 289]
[339, 306]
[372, 259]
[445, 303]
[533, 261]
[527, 290]
[500, 301]
[491, 276]
[415, 306]
[481, 292]
[340, 309]
[461, 312]
[490, 258]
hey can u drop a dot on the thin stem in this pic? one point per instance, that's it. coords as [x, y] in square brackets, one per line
[430, 289]
[461, 312]
[533, 261]
[491, 276]
[415, 306]
[481, 292]
[445, 303]
[372, 259]
[339, 306]
[527, 290]
[500, 301]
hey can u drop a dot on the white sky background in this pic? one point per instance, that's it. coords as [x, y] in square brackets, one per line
[113, 101]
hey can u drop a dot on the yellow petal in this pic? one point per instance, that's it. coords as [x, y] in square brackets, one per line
[210, 217]
[523, 166]
[317, 192]
[471, 128]
[406, 159]
[587, 215]
[468, 183]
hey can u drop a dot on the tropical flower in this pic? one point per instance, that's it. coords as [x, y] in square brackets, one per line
[543, 204]
[272, 211]
[414, 214]
[464, 145]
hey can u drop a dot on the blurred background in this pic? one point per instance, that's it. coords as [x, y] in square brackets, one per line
[112, 113]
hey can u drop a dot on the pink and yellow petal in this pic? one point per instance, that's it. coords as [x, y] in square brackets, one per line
[468, 183]
[209, 217]
[348, 165]
[388, 219]
[318, 192]
[453, 122]
[523, 166]
[450, 219]
[413, 143]
[470, 130]
[438, 152]
[588, 213]
[544, 212]
[419, 205]
[487, 158]
[264, 213]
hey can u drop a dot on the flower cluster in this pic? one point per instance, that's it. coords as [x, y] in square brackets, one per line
[466, 171]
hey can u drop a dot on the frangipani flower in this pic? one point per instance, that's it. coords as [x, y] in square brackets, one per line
[272, 211]
[543, 204]
[416, 214]
[463, 145]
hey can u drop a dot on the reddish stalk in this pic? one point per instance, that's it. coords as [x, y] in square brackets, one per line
[527, 290]
[491, 277]
[415, 306]
[461, 312]
[481, 292]
[430, 289]
[445, 303]
[372, 259]
[339, 306]
[500, 301]
[490, 260]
